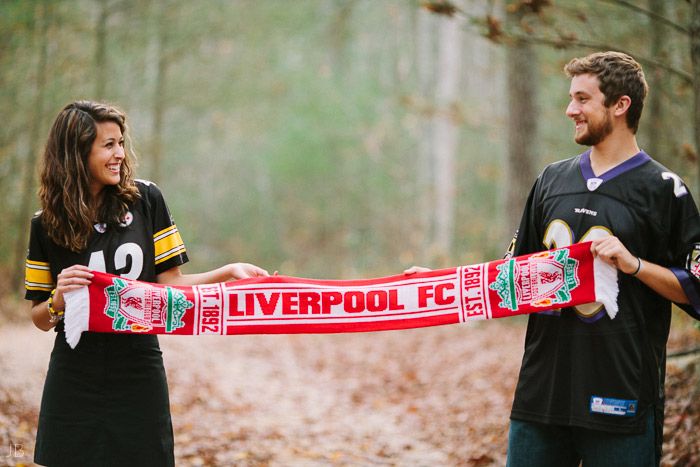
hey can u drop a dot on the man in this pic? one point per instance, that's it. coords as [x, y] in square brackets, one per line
[591, 388]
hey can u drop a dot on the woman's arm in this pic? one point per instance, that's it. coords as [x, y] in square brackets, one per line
[71, 278]
[174, 276]
[41, 316]
[77, 276]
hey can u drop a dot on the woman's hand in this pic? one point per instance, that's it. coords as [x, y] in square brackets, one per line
[71, 278]
[245, 270]
[415, 269]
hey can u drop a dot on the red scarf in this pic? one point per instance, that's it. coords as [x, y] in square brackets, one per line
[285, 305]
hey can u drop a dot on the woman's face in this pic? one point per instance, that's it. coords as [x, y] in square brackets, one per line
[106, 156]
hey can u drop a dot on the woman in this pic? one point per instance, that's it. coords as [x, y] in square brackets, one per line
[106, 402]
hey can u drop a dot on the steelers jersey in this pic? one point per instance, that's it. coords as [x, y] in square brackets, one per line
[580, 367]
[147, 243]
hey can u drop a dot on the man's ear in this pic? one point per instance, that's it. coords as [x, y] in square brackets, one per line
[622, 105]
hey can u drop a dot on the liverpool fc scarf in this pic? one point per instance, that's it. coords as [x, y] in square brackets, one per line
[543, 281]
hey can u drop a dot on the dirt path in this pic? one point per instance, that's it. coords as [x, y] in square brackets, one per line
[426, 397]
[437, 396]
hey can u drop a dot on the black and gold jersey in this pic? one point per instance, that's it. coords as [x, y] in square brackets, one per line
[147, 243]
[581, 368]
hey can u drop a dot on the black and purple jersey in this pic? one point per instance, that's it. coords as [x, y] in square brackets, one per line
[581, 368]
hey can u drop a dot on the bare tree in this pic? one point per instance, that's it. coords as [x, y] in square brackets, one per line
[42, 15]
[521, 89]
[425, 58]
[654, 111]
[103, 8]
[695, 58]
[160, 91]
[446, 135]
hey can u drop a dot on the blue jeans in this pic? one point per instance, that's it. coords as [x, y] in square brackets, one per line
[537, 445]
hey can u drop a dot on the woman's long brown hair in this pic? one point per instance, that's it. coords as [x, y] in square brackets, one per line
[64, 191]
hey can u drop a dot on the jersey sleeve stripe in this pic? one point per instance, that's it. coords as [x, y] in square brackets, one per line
[37, 264]
[38, 276]
[684, 277]
[168, 243]
[164, 233]
[166, 256]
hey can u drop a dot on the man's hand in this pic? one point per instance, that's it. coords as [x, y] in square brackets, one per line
[415, 269]
[612, 251]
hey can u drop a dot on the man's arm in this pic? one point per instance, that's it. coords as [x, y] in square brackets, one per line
[658, 278]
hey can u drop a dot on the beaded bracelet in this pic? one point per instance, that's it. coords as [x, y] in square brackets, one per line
[55, 315]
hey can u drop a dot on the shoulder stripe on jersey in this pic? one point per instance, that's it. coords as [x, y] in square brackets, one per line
[38, 276]
[164, 233]
[170, 254]
[168, 243]
[37, 264]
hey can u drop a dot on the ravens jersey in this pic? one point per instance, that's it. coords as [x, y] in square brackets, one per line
[581, 368]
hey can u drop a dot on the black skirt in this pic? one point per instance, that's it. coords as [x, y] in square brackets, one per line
[105, 403]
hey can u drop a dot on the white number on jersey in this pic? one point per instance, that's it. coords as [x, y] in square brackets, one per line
[679, 188]
[97, 260]
[559, 235]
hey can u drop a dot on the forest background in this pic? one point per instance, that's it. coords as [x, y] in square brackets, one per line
[333, 139]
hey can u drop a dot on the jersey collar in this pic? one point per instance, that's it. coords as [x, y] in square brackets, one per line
[593, 182]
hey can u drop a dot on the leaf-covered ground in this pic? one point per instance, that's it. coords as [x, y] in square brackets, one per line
[426, 397]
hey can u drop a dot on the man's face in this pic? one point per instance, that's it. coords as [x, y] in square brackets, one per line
[593, 120]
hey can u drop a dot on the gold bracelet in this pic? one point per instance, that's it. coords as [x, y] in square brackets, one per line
[55, 315]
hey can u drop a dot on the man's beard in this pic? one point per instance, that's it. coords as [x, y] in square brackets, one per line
[596, 133]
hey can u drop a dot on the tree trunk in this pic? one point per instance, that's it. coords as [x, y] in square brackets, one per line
[656, 78]
[521, 84]
[43, 14]
[446, 136]
[695, 57]
[338, 36]
[159, 94]
[425, 65]
[101, 50]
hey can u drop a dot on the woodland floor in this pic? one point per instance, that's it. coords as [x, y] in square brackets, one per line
[426, 397]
